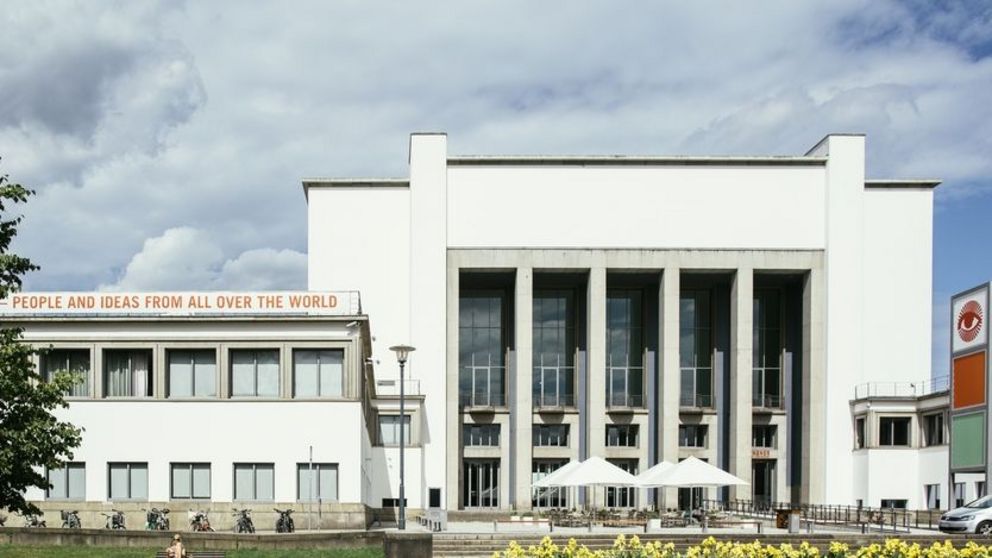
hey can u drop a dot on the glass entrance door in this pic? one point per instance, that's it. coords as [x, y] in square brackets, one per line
[763, 481]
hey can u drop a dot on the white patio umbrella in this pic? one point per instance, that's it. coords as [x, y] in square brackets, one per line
[694, 473]
[593, 472]
[552, 477]
[648, 479]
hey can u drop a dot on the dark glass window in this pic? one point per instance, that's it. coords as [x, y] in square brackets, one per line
[764, 435]
[933, 429]
[480, 488]
[621, 435]
[693, 435]
[624, 349]
[481, 349]
[766, 349]
[550, 435]
[554, 348]
[480, 435]
[547, 497]
[893, 431]
[859, 433]
[695, 349]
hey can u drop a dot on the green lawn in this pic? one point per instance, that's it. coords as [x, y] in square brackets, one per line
[106, 552]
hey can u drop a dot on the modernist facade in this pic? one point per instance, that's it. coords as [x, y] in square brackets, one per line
[636, 308]
[211, 400]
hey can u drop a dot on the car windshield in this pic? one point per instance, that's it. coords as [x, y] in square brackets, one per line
[981, 503]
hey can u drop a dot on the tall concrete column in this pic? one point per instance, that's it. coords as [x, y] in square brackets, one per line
[596, 388]
[741, 363]
[669, 383]
[523, 406]
[453, 462]
[814, 385]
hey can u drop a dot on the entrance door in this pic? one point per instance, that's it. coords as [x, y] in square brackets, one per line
[763, 482]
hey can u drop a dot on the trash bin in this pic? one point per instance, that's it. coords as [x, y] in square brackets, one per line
[794, 516]
[781, 518]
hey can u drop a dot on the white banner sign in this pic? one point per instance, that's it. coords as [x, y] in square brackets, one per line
[969, 320]
[181, 303]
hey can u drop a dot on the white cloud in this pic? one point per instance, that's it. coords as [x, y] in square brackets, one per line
[188, 259]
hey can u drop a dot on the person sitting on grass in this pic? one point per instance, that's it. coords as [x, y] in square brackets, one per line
[177, 549]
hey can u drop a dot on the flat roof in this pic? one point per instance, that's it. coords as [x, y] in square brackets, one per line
[634, 160]
[912, 183]
[354, 183]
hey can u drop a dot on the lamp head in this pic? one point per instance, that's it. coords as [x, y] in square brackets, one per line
[402, 352]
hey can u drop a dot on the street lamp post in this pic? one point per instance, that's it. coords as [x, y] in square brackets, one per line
[402, 353]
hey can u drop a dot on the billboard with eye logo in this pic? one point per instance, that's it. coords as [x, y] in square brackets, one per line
[969, 409]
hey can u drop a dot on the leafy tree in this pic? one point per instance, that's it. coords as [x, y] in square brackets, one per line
[31, 437]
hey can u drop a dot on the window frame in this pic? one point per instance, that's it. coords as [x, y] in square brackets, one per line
[624, 432]
[317, 467]
[130, 468]
[190, 466]
[893, 421]
[698, 428]
[76, 465]
[489, 431]
[342, 380]
[563, 435]
[407, 430]
[769, 436]
[254, 470]
[255, 352]
[191, 351]
[130, 351]
[928, 433]
[87, 384]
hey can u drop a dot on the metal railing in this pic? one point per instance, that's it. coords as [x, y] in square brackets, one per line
[488, 399]
[917, 388]
[554, 400]
[767, 400]
[854, 517]
[700, 400]
[623, 400]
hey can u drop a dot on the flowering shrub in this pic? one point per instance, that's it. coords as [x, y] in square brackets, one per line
[711, 548]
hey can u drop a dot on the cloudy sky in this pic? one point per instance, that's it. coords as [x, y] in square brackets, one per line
[167, 141]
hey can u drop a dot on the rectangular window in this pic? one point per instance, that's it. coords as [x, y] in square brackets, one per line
[127, 373]
[859, 433]
[68, 482]
[254, 481]
[190, 481]
[318, 373]
[933, 429]
[893, 503]
[932, 493]
[621, 435]
[624, 349]
[893, 431]
[958, 494]
[554, 349]
[392, 502]
[481, 349]
[979, 489]
[474, 435]
[766, 349]
[326, 487]
[550, 435]
[128, 481]
[192, 373]
[693, 435]
[480, 488]
[254, 373]
[556, 497]
[389, 430]
[695, 349]
[72, 361]
[764, 435]
[617, 497]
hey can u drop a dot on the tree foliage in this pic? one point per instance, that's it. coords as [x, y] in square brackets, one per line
[31, 436]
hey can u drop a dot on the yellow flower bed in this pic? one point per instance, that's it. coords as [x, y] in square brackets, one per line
[711, 548]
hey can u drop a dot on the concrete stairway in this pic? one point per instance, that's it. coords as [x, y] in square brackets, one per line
[458, 545]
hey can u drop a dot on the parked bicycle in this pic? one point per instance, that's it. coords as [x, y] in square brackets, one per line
[243, 523]
[70, 520]
[285, 523]
[32, 520]
[115, 521]
[198, 521]
[156, 519]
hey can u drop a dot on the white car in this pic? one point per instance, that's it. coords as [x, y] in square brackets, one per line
[974, 517]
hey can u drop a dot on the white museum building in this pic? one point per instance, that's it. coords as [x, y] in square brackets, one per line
[637, 308]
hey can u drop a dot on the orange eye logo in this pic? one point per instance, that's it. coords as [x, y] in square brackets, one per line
[969, 321]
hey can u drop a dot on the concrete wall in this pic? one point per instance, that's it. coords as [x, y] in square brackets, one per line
[635, 207]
